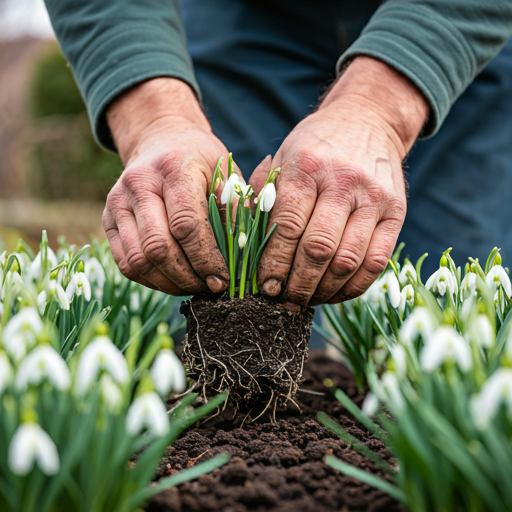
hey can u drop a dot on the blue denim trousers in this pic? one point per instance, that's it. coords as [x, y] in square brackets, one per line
[262, 66]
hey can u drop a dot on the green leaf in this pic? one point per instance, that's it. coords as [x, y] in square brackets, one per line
[367, 478]
[217, 227]
[352, 408]
[355, 443]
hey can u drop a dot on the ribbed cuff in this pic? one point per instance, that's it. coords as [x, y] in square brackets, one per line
[118, 60]
[422, 45]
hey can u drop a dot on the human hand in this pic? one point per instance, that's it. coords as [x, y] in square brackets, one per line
[341, 197]
[156, 216]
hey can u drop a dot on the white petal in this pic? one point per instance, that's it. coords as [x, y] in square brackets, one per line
[43, 363]
[496, 275]
[27, 319]
[418, 322]
[483, 332]
[393, 288]
[5, 372]
[446, 343]
[370, 405]
[147, 411]
[95, 272]
[268, 197]
[29, 443]
[242, 240]
[41, 302]
[167, 373]
[407, 273]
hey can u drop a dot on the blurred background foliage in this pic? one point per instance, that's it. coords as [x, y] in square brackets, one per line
[66, 162]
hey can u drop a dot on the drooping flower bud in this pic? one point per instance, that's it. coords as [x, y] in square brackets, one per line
[267, 197]
[242, 240]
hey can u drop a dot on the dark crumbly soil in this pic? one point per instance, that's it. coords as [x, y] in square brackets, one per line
[255, 347]
[278, 467]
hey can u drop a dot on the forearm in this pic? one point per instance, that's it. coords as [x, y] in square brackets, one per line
[385, 93]
[440, 46]
[133, 114]
[113, 45]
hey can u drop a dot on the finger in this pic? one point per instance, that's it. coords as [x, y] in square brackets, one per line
[317, 246]
[158, 246]
[187, 214]
[260, 174]
[350, 254]
[293, 187]
[117, 251]
[131, 244]
[377, 256]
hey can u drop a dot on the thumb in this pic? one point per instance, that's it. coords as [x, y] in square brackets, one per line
[260, 174]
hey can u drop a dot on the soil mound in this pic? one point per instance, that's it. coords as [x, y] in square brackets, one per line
[278, 467]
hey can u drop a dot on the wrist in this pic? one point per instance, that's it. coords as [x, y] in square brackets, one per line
[383, 92]
[133, 113]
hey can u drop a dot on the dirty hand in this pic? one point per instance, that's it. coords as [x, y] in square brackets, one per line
[156, 216]
[341, 198]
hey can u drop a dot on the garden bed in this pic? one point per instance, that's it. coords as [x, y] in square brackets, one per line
[278, 466]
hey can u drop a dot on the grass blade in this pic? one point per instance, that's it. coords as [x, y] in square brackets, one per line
[367, 478]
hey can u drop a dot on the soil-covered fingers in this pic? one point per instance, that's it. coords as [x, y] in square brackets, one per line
[185, 196]
[317, 246]
[349, 255]
[159, 248]
[296, 197]
[375, 261]
[116, 248]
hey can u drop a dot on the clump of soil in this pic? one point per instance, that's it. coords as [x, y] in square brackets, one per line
[278, 467]
[253, 347]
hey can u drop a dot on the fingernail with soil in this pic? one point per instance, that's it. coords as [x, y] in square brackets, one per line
[215, 284]
[271, 287]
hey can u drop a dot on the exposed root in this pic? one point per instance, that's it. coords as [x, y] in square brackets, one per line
[252, 347]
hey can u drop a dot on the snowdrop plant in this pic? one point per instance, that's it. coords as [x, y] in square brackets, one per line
[440, 380]
[243, 234]
[84, 379]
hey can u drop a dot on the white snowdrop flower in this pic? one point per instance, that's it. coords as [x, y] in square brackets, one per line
[419, 322]
[482, 332]
[35, 268]
[442, 280]
[100, 354]
[267, 197]
[31, 444]
[147, 411]
[167, 373]
[370, 405]
[497, 276]
[43, 362]
[495, 391]
[446, 344]
[111, 393]
[41, 302]
[57, 291]
[468, 286]
[390, 390]
[229, 192]
[21, 332]
[135, 302]
[406, 298]
[389, 283]
[242, 240]
[12, 281]
[94, 272]
[407, 273]
[79, 284]
[373, 296]
[5, 372]
[399, 356]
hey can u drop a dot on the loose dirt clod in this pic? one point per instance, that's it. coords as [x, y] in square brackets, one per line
[253, 347]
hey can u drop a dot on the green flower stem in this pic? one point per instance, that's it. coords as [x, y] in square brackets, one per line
[253, 234]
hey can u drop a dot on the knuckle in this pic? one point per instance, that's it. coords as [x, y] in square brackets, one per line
[183, 225]
[156, 249]
[320, 249]
[345, 263]
[376, 263]
[351, 291]
[126, 270]
[308, 161]
[138, 262]
[290, 225]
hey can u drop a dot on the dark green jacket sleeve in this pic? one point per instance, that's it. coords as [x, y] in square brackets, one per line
[441, 45]
[114, 44]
